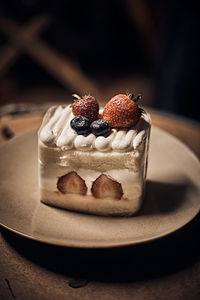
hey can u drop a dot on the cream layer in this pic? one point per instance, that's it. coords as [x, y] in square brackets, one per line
[57, 132]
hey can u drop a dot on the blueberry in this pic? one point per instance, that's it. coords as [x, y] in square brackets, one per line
[80, 124]
[100, 127]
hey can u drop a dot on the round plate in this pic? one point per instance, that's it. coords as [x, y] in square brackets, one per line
[171, 200]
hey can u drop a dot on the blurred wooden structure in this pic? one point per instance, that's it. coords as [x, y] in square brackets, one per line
[141, 16]
[25, 38]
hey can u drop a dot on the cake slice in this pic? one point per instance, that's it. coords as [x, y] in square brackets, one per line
[94, 161]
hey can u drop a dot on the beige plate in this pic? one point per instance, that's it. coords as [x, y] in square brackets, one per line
[172, 198]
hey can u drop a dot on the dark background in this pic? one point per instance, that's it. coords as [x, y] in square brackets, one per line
[148, 47]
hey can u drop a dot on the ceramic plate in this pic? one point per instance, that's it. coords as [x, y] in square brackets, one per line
[171, 201]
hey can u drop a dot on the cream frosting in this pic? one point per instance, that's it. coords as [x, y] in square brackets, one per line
[56, 131]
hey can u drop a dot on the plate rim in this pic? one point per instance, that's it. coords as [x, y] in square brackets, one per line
[80, 245]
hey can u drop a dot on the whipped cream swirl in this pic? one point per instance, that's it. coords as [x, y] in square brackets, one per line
[56, 131]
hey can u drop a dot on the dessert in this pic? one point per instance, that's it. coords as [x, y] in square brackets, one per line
[94, 160]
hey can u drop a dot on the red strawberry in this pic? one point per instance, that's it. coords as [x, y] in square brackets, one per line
[105, 186]
[71, 183]
[122, 111]
[86, 106]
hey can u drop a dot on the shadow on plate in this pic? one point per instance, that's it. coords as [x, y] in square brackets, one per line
[163, 198]
[123, 264]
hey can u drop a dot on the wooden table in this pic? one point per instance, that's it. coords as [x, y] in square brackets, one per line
[168, 268]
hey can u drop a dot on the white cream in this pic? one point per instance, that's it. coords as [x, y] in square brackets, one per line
[58, 132]
[63, 118]
[84, 143]
[104, 143]
[47, 135]
[67, 135]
